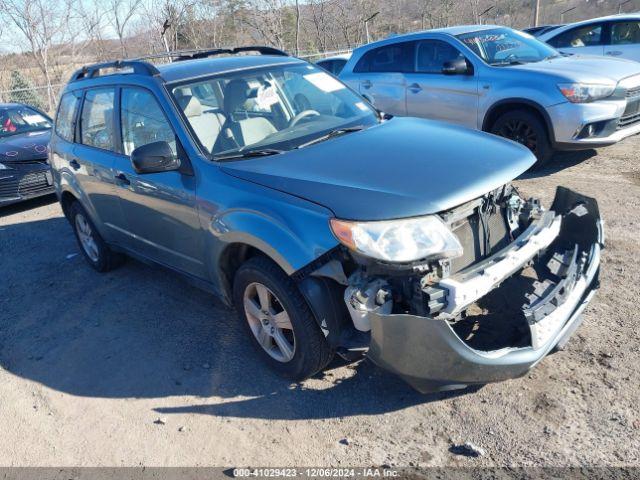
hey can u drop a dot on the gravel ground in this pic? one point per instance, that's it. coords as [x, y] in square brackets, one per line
[137, 367]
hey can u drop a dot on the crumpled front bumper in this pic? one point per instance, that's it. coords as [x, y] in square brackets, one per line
[430, 356]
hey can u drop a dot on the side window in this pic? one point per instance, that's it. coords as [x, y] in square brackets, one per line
[143, 121]
[96, 120]
[625, 33]
[587, 36]
[64, 119]
[326, 65]
[338, 65]
[431, 55]
[390, 58]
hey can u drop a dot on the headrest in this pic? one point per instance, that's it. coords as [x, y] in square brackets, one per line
[236, 93]
[108, 116]
[190, 105]
[183, 92]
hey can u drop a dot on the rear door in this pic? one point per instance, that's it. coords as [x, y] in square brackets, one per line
[62, 141]
[582, 40]
[159, 208]
[432, 94]
[93, 160]
[381, 77]
[624, 40]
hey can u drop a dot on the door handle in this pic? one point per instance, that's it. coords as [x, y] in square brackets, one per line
[366, 84]
[74, 164]
[415, 88]
[123, 179]
[614, 53]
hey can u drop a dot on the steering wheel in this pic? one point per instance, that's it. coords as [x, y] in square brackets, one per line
[302, 115]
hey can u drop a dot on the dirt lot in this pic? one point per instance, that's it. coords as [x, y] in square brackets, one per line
[137, 367]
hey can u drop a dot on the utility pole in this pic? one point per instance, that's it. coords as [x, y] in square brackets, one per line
[366, 26]
[621, 4]
[484, 13]
[566, 11]
[536, 12]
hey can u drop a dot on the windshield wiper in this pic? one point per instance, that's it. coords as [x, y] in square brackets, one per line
[332, 134]
[264, 152]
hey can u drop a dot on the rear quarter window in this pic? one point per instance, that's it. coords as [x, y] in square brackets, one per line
[64, 125]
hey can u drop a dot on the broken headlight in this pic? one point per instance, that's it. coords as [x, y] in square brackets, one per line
[404, 240]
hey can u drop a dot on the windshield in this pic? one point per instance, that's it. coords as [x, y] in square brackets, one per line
[21, 119]
[277, 108]
[503, 46]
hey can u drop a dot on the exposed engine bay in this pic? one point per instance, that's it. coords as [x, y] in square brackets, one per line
[522, 272]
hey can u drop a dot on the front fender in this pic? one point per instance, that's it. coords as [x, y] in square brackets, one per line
[293, 237]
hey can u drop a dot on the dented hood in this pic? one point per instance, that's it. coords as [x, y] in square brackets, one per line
[401, 168]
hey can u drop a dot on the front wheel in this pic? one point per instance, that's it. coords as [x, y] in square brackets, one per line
[278, 320]
[527, 129]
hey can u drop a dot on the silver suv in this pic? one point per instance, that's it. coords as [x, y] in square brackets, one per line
[502, 81]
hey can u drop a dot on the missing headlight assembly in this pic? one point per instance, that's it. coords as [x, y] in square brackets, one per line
[490, 312]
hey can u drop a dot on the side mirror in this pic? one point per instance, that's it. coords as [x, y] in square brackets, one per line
[458, 66]
[154, 157]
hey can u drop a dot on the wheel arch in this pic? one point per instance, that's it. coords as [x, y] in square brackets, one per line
[508, 104]
[66, 200]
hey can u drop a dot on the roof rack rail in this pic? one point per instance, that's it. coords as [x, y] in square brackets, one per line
[181, 55]
[231, 51]
[90, 71]
[139, 66]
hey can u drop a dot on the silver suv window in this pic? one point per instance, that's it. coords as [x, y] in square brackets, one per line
[431, 55]
[625, 33]
[585, 36]
[387, 59]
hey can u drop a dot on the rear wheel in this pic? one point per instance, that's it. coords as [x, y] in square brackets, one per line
[279, 321]
[94, 249]
[525, 128]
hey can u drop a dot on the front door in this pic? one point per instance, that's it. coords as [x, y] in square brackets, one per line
[160, 208]
[432, 94]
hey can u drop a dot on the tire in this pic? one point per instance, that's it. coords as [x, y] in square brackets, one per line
[527, 129]
[308, 352]
[98, 255]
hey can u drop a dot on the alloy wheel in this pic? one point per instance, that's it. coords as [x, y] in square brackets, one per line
[269, 322]
[521, 132]
[85, 234]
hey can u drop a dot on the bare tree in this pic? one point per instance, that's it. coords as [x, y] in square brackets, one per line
[120, 13]
[297, 27]
[43, 24]
[92, 21]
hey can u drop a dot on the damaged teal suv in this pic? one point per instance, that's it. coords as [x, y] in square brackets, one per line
[331, 228]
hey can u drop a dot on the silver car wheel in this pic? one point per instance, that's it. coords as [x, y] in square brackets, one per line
[85, 234]
[269, 322]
